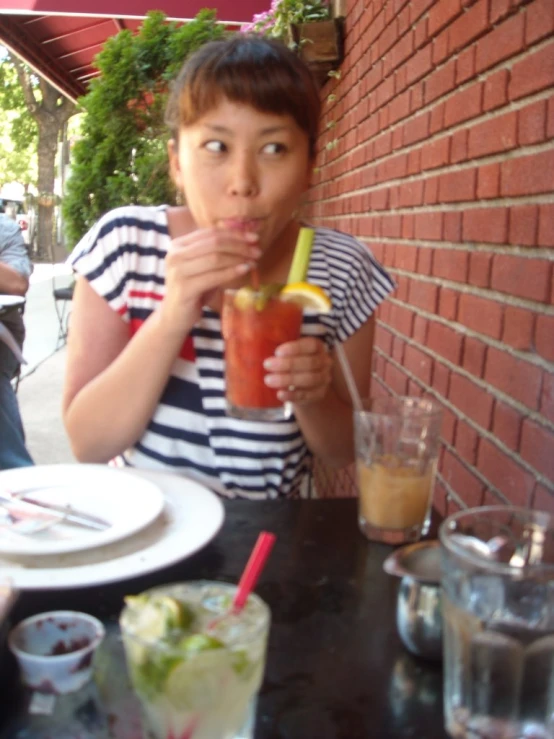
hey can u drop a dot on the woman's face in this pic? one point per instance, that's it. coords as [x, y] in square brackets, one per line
[240, 168]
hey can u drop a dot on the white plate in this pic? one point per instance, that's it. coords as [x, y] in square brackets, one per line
[192, 516]
[8, 300]
[127, 502]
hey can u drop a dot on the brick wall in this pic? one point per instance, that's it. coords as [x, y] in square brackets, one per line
[438, 152]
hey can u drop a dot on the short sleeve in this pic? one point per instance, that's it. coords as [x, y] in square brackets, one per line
[13, 250]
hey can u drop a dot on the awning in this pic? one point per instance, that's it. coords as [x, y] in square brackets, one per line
[60, 38]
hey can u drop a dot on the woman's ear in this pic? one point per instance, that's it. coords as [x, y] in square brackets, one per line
[174, 167]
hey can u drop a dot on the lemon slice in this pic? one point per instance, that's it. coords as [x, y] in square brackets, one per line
[307, 295]
[158, 615]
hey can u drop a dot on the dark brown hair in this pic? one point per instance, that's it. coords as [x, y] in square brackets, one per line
[246, 69]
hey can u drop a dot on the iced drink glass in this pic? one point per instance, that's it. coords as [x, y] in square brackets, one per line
[197, 679]
[253, 328]
[498, 615]
[397, 444]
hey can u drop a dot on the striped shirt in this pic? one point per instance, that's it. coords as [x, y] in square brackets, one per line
[123, 258]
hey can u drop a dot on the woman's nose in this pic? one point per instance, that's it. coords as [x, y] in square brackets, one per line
[243, 177]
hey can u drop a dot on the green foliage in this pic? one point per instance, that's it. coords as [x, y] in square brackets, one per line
[121, 156]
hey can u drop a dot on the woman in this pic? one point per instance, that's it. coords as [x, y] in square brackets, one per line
[144, 379]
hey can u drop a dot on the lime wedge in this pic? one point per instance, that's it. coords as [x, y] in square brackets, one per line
[195, 683]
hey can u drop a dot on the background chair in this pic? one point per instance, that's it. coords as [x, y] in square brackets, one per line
[63, 296]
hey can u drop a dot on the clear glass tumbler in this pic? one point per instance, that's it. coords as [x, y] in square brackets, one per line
[397, 446]
[252, 331]
[198, 679]
[498, 623]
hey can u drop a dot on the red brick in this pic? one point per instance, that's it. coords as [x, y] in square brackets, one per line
[471, 399]
[416, 97]
[428, 226]
[489, 225]
[448, 303]
[537, 445]
[528, 175]
[436, 122]
[505, 474]
[519, 325]
[452, 226]
[543, 499]
[441, 379]
[424, 295]
[474, 354]
[488, 181]
[506, 425]
[420, 64]
[406, 257]
[451, 264]
[460, 479]
[463, 106]
[458, 146]
[395, 379]
[467, 441]
[493, 136]
[418, 363]
[550, 123]
[499, 10]
[435, 154]
[468, 27]
[401, 319]
[482, 315]
[431, 191]
[495, 92]
[457, 186]
[440, 82]
[419, 330]
[524, 220]
[501, 43]
[414, 161]
[442, 13]
[546, 225]
[524, 278]
[544, 337]
[398, 350]
[391, 226]
[407, 226]
[425, 261]
[533, 73]
[491, 497]
[547, 396]
[518, 379]
[402, 289]
[411, 194]
[383, 339]
[531, 123]
[440, 48]
[416, 129]
[445, 341]
[480, 267]
[540, 20]
[465, 65]
[448, 428]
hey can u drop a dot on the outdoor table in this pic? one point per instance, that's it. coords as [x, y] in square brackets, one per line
[336, 668]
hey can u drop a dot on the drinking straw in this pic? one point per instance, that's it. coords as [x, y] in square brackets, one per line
[253, 569]
[348, 376]
[301, 256]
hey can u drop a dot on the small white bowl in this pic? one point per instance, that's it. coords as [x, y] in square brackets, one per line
[55, 649]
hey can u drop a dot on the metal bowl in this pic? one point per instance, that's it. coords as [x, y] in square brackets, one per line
[418, 608]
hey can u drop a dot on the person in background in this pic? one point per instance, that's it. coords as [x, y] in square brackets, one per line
[15, 269]
[145, 365]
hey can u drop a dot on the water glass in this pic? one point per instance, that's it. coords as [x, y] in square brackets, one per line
[498, 620]
[397, 446]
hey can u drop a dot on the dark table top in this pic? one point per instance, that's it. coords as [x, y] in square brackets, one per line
[336, 668]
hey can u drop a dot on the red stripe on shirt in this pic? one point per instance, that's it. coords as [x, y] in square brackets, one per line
[187, 350]
[142, 294]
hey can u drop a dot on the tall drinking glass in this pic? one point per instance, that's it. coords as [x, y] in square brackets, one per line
[397, 446]
[195, 667]
[498, 611]
[253, 327]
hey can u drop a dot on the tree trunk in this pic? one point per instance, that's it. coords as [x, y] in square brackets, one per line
[51, 110]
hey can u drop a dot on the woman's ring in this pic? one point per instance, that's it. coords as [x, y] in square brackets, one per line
[292, 388]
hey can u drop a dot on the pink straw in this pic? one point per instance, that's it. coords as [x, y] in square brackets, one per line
[253, 569]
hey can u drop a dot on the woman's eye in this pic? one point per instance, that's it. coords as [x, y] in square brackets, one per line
[274, 148]
[215, 146]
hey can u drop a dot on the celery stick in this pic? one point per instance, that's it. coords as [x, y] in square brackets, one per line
[301, 257]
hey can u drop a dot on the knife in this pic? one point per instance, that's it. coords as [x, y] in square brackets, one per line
[71, 515]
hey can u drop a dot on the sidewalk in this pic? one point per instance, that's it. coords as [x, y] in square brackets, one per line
[40, 403]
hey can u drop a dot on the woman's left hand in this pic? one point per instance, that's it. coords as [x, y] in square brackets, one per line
[300, 371]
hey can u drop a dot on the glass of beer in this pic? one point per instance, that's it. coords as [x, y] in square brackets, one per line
[397, 445]
[498, 616]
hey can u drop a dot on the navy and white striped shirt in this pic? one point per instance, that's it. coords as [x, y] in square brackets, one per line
[123, 258]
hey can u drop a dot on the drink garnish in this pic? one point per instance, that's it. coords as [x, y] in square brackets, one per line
[301, 257]
[307, 295]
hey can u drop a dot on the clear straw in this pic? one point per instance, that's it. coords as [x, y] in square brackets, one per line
[348, 376]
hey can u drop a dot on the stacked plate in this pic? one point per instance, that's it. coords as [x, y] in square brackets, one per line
[153, 520]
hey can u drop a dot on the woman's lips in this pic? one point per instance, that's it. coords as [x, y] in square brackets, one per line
[241, 224]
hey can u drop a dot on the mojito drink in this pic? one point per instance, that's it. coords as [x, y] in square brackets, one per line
[195, 666]
[254, 324]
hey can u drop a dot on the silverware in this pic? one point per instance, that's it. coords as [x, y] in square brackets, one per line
[11, 501]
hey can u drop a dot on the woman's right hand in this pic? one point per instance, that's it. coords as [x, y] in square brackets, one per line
[197, 265]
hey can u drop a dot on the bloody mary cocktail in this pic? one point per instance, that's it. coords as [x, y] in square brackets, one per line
[254, 324]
